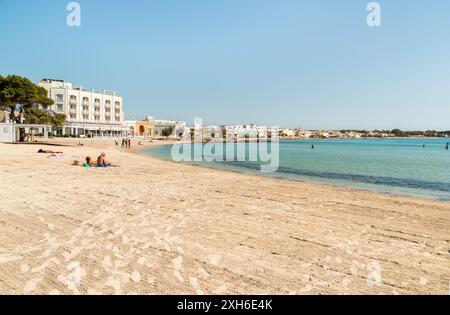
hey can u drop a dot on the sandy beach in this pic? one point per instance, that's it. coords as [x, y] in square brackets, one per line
[157, 227]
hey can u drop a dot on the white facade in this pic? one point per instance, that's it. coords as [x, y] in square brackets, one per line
[9, 132]
[179, 127]
[129, 126]
[88, 112]
[288, 133]
[243, 131]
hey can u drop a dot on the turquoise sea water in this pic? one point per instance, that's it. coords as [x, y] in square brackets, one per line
[397, 166]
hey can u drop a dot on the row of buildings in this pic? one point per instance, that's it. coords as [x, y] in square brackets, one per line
[93, 113]
[330, 134]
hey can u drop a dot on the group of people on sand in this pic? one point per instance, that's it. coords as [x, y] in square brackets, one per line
[126, 143]
[101, 161]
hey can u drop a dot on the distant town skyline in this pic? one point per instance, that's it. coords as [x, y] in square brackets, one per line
[289, 63]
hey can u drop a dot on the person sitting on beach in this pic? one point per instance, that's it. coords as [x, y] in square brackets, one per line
[101, 161]
[88, 162]
[48, 152]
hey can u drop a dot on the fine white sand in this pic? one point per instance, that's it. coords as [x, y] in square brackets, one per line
[157, 227]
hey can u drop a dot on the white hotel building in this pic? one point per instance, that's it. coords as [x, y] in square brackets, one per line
[89, 112]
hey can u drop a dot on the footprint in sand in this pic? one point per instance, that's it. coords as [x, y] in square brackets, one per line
[107, 262]
[306, 289]
[24, 268]
[423, 281]
[220, 290]
[73, 279]
[115, 283]
[177, 265]
[203, 273]
[195, 285]
[31, 285]
[91, 291]
[69, 256]
[141, 260]
[5, 258]
[213, 259]
[136, 276]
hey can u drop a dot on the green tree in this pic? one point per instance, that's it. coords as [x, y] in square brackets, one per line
[397, 133]
[44, 117]
[166, 132]
[18, 96]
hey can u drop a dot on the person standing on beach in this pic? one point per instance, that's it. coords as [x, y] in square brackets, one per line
[129, 143]
[446, 146]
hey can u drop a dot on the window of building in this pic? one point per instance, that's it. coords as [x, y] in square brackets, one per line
[73, 107]
[107, 110]
[97, 101]
[73, 97]
[86, 117]
[86, 108]
[86, 99]
[59, 107]
[108, 102]
[73, 116]
[97, 118]
[117, 103]
[59, 97]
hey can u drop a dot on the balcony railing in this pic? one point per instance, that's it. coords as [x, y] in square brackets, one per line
[72, 101]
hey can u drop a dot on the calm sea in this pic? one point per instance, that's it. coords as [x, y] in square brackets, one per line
[396, 166]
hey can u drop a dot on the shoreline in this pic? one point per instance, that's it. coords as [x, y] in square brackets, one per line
[285, 178]
[153, 227]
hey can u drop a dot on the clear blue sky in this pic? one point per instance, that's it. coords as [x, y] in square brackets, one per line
[292, 63]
